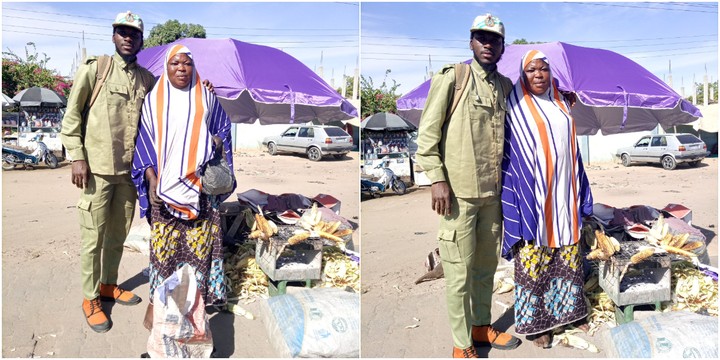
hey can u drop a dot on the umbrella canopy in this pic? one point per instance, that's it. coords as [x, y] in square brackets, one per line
[37, 96]
[386, 121]
[7, 101]
[614, 93]
[258, 82]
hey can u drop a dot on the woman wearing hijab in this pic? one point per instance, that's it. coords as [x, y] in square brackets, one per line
[181, 127]
[544, 198]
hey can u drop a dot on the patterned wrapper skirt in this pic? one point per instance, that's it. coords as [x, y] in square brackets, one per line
[548, 288]
[175, 242]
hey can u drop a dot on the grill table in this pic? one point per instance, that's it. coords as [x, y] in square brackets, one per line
[646, 283]
[302, 264]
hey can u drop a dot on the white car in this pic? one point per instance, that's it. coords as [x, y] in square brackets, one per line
[313, 140]
[665, 149]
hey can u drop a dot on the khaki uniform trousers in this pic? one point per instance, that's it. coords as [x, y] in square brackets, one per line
[469, 242]
[106, 207]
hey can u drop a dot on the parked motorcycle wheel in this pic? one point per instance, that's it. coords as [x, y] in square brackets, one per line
[51, 160]
[8, 161]
[399, 186]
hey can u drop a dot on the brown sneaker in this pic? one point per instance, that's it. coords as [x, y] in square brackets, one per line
[465, 353]
[120, 296]
[486, 335]
[95, 316]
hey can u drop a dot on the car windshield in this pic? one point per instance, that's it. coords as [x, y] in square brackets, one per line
[335, 131]
[688, 139]
[643, 142]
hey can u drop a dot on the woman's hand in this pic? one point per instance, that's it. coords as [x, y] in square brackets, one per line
[152, 187]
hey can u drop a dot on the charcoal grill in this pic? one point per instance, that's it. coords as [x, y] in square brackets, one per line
[284, 263]
[646, 283]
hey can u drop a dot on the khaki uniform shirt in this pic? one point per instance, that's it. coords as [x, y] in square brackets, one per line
[105, 138]
[466, 150]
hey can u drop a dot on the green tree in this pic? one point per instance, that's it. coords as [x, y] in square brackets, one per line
[173, 30]
[382, 99]
[348, 82]
[700, 93]
[21, 73]
[525, 42]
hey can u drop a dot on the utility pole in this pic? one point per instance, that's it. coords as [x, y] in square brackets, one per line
[705, 88]
[356, 80]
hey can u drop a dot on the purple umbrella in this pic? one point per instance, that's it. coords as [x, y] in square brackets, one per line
[258, 82]
[614, 93]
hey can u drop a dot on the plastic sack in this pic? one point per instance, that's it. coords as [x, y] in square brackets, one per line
[180, 323]
[321, 322]
[138, 238]
[669, 335]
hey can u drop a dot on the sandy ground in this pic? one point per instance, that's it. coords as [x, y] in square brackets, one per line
[399, 231]
[41, 296]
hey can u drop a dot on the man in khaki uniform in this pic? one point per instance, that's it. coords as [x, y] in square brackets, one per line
[461, 155]
[101, 142]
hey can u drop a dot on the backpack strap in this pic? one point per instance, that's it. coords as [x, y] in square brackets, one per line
[462, 76]
[104, 63]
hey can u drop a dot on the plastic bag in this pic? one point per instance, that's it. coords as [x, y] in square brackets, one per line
[321, 322]
[669, 335]
[180, 323]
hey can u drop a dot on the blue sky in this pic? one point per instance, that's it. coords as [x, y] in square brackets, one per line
[306, 31]
[400, 36]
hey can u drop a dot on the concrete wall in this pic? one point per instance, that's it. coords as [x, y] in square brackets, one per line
[250, 136]
[602, 148]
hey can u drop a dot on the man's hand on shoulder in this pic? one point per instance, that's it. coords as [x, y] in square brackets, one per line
[80, 173]
[441, 198]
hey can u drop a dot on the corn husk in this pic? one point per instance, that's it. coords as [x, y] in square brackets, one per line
[692, 289]
[338, 270]
[244, 278]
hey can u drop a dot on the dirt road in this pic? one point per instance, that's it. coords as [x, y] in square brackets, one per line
[399, 231]
[41, 313]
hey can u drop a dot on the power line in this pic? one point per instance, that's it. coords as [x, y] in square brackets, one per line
[465, 57]
[647, 7]
[570, 41]
[89, 33]
[208, 27]
[265, 44]
[468, 53]
[459, 47]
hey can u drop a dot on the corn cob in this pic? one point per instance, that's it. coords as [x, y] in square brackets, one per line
[642, 255]
[344, 232]
[330, 237]
[598, 254]
[257, 234]
[692, 245]
[298, 238]
[604, 243]
[680, 240]
[333, 227]
[674, 250]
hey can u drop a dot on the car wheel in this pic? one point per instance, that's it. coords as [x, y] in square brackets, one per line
[668, 163]
[694, 163]
[272, 148]
[314, 154]
[625, 159]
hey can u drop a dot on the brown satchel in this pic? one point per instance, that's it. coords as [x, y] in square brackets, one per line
[104, 63]
[462, 76]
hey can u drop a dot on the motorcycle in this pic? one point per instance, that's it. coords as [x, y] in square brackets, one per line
[387, 180]
[14, 157]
